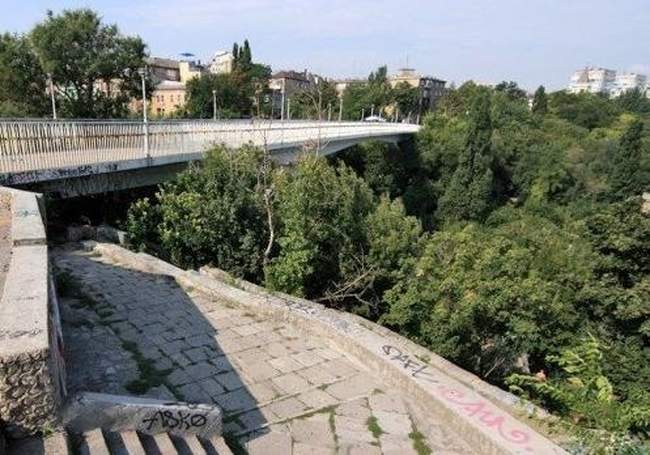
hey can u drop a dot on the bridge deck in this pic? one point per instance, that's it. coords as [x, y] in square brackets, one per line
[32, 145]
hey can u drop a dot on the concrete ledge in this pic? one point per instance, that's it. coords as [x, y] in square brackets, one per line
[27, 226]
[87, 411]
[31, 364]
[455, 395]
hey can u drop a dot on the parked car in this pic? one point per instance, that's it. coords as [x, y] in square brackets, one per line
[375, 118]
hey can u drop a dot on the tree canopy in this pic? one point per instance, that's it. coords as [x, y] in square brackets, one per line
[93, 66]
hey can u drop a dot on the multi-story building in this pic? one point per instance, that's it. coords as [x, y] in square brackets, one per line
[167, 98]
[285, 84]
[431, 88]
[222, 63]
[164, 69]
[190, 70]
[592, 80]
[629, 81]
[609, 82]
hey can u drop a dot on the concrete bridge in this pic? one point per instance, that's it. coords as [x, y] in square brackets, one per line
[83, 157]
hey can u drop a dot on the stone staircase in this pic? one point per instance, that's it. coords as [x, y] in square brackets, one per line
[98, 442]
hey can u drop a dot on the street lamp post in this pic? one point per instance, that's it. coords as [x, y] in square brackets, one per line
[51, 84]
[214, 104]
[143, 72]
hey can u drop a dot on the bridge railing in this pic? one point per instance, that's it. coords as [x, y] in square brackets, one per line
[27, 145]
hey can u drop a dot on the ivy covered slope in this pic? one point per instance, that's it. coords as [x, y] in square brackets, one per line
[512, 240]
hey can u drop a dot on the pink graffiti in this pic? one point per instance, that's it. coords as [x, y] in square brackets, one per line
[481, 411]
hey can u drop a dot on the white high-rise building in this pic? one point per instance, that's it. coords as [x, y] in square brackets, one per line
[628, 81]
[592, 80]
[602, 80]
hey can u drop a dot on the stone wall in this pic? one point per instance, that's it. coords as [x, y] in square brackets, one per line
[32, 373]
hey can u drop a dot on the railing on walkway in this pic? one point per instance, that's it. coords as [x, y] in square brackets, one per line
[27, 145]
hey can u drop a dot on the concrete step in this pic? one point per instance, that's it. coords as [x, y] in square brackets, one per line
[98, 442]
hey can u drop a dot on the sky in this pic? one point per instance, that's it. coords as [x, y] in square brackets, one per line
[533, 42]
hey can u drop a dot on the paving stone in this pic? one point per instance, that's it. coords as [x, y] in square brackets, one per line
[387, 402]
[290, 383]
[394, 423]
[392, 445]
[221, 363]
[285, 364]
[252, 419]
[230, 381]
[199, 340]
[287, 408]
[339, 367]
[251, 356]
[235, 401]
[356, 409]
[355, 386]
[317, 375]
[211, 387]
[264, 391]
[194, 394]
[259, 371]
[163, 363]
[272, 443]
[317, 399]
[353, 429]
[246, 330]
[180, 359]
[307, 358]
[305, 449]
[179, 377]
[360, 449]
[200, 370]
[278, 349]
[317, 433]
[196, 354]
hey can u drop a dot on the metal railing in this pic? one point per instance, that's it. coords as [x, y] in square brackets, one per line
[27, 145]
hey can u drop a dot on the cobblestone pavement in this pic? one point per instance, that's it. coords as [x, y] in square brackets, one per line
[132, 332]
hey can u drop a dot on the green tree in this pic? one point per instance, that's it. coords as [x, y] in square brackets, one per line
[511, 89]
[406, 99]
[470, 192]
[540, 101]
[625, 167]
[22, 80]
[321, 240]
[213, 214]
[487, 298]
[234, 99]
[375, 94]
[94, 66]
[583, 109]
[634, 100]
[316, 101]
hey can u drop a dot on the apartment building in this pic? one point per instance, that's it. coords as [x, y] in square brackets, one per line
[606, 81]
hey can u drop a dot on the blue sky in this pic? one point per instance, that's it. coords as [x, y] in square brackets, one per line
[530, 41]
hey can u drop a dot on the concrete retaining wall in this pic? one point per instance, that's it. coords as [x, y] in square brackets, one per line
[32, 378]
[482, 414]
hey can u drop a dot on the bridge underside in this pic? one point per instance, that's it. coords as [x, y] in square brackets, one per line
[67, 182]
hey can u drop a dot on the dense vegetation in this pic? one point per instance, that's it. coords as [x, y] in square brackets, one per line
[92, 67]
[510, 240]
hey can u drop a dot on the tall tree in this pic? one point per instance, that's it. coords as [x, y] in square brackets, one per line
[540, 101]
[470, 192]
[232, 96]
[22, 80]
[511, 89]
[94, 66]
[626, 163]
